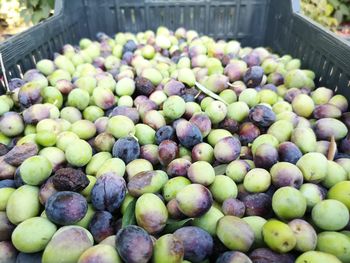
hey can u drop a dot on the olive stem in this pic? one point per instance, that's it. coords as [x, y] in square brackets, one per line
[132, 135]
[199, 93]
[332, 149]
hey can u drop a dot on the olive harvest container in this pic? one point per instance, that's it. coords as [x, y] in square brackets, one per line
[277, 24]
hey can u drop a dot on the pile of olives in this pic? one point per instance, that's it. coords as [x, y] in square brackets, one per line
[171, 147]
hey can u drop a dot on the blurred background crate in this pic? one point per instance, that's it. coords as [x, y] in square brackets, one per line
[277, 24]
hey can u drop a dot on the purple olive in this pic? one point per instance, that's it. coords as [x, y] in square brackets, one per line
[258, 204]
[167, 151]
[134, 244]
[144, 86]
[266, 255]
[233, 207]
[227, 149]
[129, 112]
[65, 208]
[102, 225]
[253, 76]
[178, 167]
[202, 121]
[289, 152]
[188, 134]
[198, 243]
[108, 192]
[252, 59]
[248, 132]
[265, 156]
[262, 116]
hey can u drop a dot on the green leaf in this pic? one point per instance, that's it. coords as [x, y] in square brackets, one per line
[129, 216]
[173, 225]
[26, 14]
[210, 93]
[37, 16]
[220, 169]
[34, 2]
[51, 3]
[339, 16]
[344, 9]
[334, 3]
[23, 12]
[46, 9]
[329, 9]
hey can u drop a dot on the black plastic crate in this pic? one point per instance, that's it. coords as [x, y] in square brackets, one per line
[273, 23]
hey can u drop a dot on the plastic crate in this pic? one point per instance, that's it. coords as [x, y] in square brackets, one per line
[273, 23]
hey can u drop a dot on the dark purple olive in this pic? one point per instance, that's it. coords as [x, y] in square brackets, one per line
[165, 133]
[198, 243]
[248, 132]
[129, 112]
[230, 125]
[178, 167]
[134, 244]
[149, 152]
[291, 94]
[36, 113]
[144, 86]
[3, 149]
[266, 255]
[7, 183]
[173, 210]
[167, 151]
[202, 121]
[276, 78]
[346, 119]
[129, 46]
[29, 257]
[227, 149]
[257, 204]
[127, 149]
[6, 227]
[101, 36]
[29, 94]
[99, 62]
[15, 83]
[265, 156]
[18, 178]
[345, 145]
[252, 59]
[102, 225]
[188, 134]
[66, 208]
[127, 57]
[289, 152]
[108, 192]
[270, 87]
[233, 207]
[253, 76]
[262, 116]
[174, 87]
